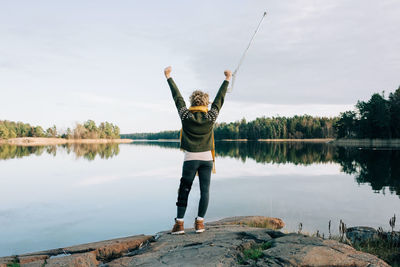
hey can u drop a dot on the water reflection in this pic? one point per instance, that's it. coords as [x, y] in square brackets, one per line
[86, 151]
[60, 203]
[378, 168]
[263, 152]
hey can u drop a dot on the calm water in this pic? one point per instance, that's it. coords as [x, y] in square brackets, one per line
[59, 196]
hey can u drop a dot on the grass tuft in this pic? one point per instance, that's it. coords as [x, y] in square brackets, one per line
[255, 252]
[259, 223]
[14, 263]
[384, 249]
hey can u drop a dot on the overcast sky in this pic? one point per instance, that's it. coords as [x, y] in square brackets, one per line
[63, 62]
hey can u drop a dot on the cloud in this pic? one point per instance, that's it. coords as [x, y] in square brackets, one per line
[106, 60]
[306, 52]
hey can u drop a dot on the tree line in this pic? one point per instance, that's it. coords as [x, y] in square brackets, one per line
[376, 118]
[299, 127]
[87, 130]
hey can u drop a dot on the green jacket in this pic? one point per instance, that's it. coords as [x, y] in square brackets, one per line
[197, 127]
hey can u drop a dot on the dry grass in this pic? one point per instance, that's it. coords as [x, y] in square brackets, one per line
[262, 222]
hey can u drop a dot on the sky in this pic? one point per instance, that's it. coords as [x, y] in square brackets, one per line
[63, 62]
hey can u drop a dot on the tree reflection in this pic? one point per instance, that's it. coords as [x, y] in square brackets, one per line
[11, 152]
[378, 168]
[265, 152]
[90, 151]
[86, 151]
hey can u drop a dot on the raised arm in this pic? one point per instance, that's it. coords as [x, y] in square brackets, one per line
[176, 95]
[219, 98]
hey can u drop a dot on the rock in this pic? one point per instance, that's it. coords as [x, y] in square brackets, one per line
[252, 221]
[224, 243]
[256, 235]
[247, 245]
[229, 240]
[217, 246]
[87, 259]
[301, 250]
[5, 260]
[28, 259]
[81, 255]
[38, 263]
[110, 249]
[361, 233]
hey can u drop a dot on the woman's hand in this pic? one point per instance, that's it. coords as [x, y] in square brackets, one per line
[167, 72]
[228, 75]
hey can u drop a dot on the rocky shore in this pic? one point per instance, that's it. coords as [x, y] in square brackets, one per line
[236, 241]
[46, 141]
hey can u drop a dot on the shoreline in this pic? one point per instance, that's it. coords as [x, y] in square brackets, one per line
[49, 141]
[366, 143]
[310, 140]
[369, 143]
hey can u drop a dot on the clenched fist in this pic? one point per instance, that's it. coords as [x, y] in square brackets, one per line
[167, 72]
[228, 74]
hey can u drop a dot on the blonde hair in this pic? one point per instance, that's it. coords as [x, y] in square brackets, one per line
[199, 98]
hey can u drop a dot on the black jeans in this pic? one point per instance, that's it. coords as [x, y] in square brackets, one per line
[189, 170]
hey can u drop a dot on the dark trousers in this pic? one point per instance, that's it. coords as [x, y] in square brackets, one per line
[189, 170]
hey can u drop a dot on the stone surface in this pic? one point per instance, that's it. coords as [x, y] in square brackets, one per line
[28, 259]
[222, 244]
[111, 248]
[5, 260]
[87, 259]
[90, 254]
[217, 246]
[301, 250]
[362, 233]
[253, 221]
[38, 263]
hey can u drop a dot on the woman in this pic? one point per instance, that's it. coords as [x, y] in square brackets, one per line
[197, 140]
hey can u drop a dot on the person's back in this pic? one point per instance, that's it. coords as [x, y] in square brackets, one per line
[197, 140]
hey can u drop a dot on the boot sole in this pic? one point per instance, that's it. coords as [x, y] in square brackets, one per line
[178, 233]
[200, 231]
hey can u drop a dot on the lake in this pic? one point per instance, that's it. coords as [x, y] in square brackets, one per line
[54, 197]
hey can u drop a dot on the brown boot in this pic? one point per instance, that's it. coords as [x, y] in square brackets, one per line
[178, 228]
[199, 226]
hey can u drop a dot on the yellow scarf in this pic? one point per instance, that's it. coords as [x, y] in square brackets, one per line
[205, 110]
[199, 108]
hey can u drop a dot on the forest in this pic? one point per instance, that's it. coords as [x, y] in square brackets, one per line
[304, 126]
[376, 118]
[87, 130]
